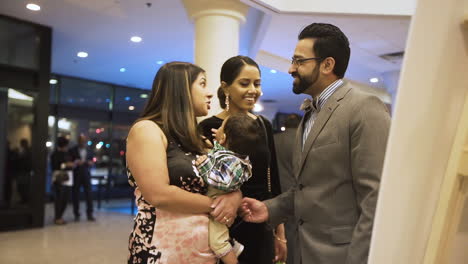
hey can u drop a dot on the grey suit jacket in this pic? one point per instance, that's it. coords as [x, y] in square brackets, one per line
[284, 144]
[337, 180]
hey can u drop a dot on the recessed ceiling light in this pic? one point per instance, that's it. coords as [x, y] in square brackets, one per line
[160, 62]
[283, 129]
[53, 81]
[273, 71]
[33, 7]
[136, 39]
[258, 108]
[82, 54]
[13, 94]
[131, 108]
[122, 69]
[143, 96]
[374, 80]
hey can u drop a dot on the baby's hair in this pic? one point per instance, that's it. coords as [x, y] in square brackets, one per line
[242, 135]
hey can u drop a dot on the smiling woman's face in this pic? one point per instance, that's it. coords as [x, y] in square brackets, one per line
[244, 90]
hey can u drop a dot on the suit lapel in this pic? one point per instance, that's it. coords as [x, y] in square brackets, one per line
[320, 122]
[298, 147]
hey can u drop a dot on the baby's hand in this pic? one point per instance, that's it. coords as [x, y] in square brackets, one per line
[200, 159]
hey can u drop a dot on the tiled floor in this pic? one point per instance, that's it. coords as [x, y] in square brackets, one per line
[100, 242]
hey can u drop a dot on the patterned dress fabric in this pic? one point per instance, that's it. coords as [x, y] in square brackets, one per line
[162, 237]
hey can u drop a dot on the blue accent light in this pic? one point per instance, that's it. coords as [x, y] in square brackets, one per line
[127, 98]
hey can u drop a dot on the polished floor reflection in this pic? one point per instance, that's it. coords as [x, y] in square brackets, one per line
[100, 242]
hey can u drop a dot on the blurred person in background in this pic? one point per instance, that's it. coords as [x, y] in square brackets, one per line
[83, 158]
[62, 165]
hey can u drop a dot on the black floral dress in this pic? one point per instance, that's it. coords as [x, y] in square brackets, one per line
[164, 237]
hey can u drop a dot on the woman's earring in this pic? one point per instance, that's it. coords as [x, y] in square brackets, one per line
[227, 103]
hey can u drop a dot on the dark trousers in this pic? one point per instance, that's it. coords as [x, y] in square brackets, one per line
[257, 240]
[62, 193]
[82, 180]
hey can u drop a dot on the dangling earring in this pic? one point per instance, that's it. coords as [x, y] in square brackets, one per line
[227, 103]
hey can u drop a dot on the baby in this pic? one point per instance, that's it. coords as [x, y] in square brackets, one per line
[225, 168]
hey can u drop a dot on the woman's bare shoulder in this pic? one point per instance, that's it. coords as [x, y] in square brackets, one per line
[146, 129]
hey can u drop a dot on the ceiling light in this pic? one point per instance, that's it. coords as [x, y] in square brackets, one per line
[122, 69]
[283, 129]
[374, 80]
[48, 144]
[273, 71]
[33, 7]
[258, 108]
[160, 62]
[53, 81]
[13, 94]
[131, 108]
[51, 121]
[82, 54]
[64, 124]
[136, 39]
[143, 96]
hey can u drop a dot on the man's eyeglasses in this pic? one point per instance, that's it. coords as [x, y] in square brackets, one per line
[299, 62]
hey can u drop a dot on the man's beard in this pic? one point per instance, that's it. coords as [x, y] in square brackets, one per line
[305, 83]
[301, 85]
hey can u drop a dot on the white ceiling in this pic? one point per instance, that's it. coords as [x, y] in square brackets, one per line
[103, 29]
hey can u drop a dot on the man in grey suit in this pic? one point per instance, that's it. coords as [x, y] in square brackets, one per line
[284, 145]
[337, 160]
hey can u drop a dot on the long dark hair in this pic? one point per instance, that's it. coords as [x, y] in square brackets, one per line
[170, 104]
[230, 71]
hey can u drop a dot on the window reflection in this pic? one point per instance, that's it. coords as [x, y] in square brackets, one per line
[85, 94]
[18, 161]
[130, 100]
[103, 113]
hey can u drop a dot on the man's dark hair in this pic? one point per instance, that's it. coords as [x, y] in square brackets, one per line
[330, 41]
[242, 135]
[62, 142]
[292, 121]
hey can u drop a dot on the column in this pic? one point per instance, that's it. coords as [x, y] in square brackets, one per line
[217, 24]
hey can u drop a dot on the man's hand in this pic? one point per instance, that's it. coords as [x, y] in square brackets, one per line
[254, 211]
